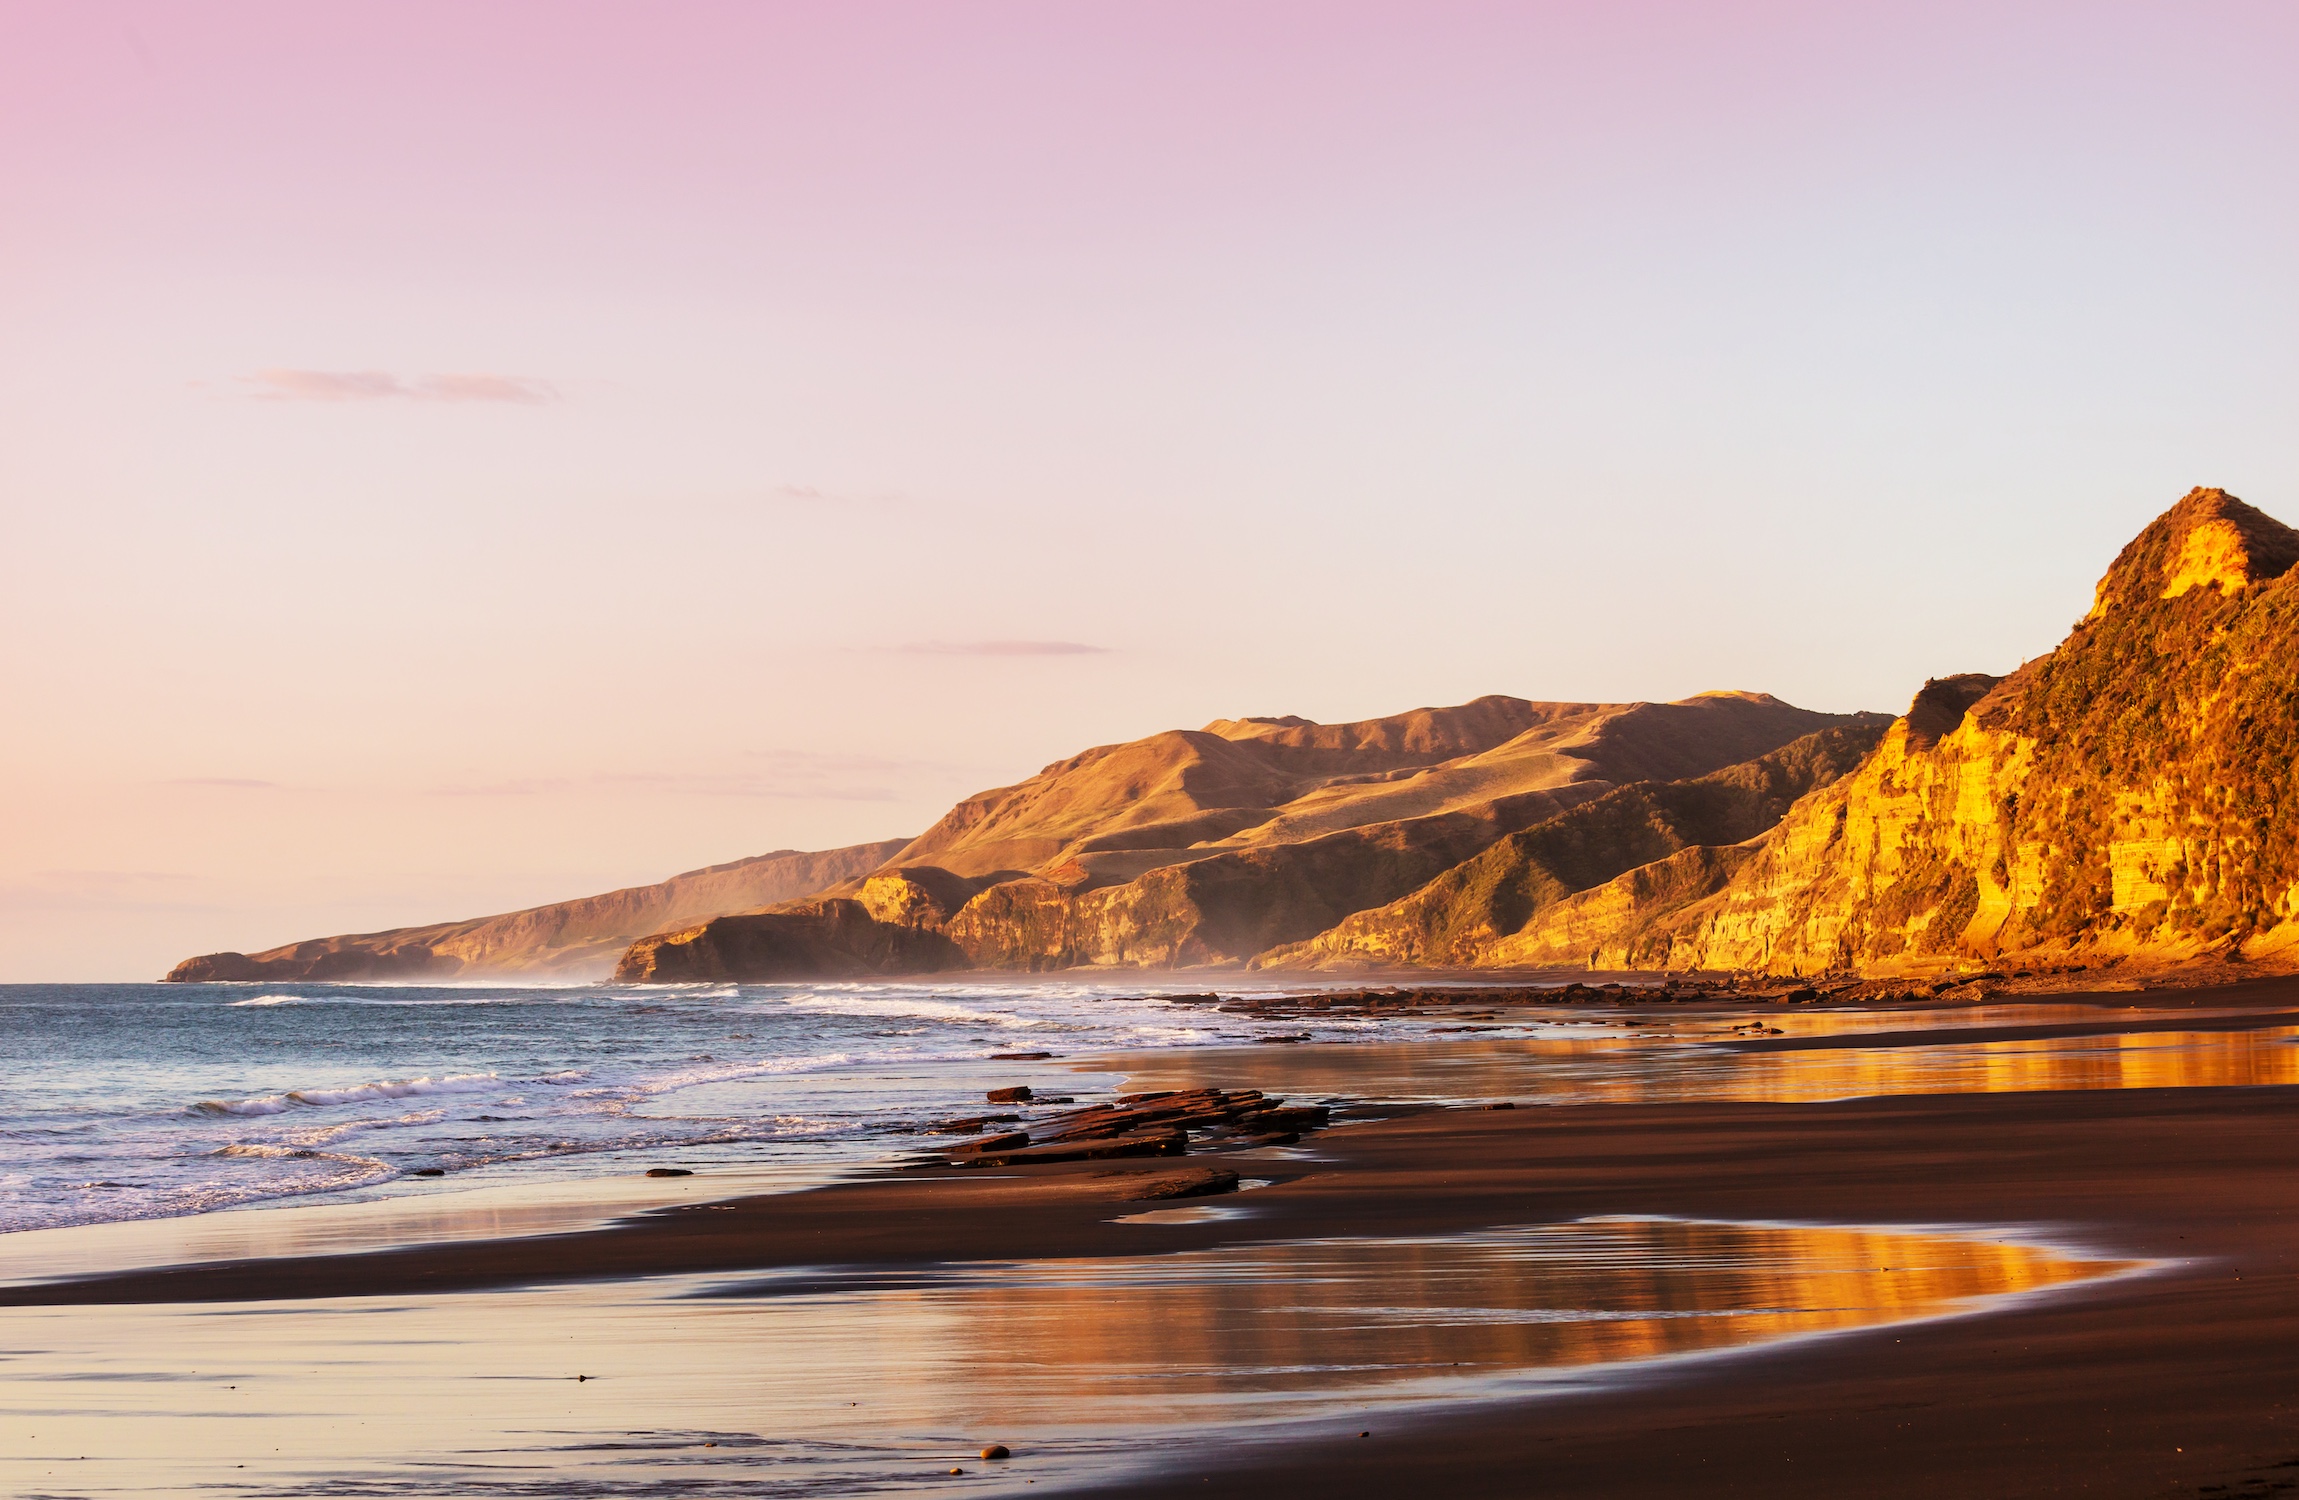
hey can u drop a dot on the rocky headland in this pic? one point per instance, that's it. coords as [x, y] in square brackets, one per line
[579, 939]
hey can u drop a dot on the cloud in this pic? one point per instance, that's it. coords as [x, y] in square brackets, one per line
[1001, 648]
[381, 385]
[245, 783]
[807, 494]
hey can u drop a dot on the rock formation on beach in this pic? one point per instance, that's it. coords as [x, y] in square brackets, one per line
[569, 939]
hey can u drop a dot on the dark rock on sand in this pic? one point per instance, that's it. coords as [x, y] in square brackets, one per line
[997, 1450]
[1154, 1143]
[1199, 1182]
[970, 1125]
[669, 1172]
[1020, 1094]
[1006, 1142]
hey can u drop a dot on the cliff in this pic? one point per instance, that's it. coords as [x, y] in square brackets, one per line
[565, 940]
[2128, 797]
[1467, 915]
[828, 939]
[1211, 846]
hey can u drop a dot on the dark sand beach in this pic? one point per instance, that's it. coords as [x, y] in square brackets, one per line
[2171, 1382]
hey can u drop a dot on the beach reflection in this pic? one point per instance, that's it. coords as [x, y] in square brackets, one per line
[1692, 1066]
[801, 1386]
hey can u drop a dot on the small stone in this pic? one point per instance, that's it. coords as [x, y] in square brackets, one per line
[430, 1172]
[1504, 1104]
[1020, 1056]
[1019, 1094]
[668, 1172]
[997, 1450]
[957, 1471]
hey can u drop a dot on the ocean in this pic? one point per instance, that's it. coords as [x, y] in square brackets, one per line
[141, 1101]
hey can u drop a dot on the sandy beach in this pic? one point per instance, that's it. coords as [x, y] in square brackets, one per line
[2166, 1381]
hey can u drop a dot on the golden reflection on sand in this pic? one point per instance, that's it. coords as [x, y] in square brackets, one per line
[1689, 1068]
[1077, 1364]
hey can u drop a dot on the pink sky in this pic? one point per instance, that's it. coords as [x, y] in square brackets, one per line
[455, 456]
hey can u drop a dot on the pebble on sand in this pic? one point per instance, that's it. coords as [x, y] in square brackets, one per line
[669, 1172]
[997, 1450]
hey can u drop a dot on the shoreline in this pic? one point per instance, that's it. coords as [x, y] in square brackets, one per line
[2148, 1385]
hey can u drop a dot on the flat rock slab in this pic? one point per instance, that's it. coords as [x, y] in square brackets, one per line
[1158, 1143]
[1198, 1182]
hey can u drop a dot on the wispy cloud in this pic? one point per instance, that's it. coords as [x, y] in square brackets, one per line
[807, 494]
[242, 782]
[381, 385]
[1001, 648]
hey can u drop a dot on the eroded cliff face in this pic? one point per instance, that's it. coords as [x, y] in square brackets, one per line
[1469, 914]
[2130, 795]
[827, 939]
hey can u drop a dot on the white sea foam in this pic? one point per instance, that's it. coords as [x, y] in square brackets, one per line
[390, 1088]
[731, 1072]
[922, 1009]
[367, 1000]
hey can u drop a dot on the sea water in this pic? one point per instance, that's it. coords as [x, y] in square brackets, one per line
[141, 1101]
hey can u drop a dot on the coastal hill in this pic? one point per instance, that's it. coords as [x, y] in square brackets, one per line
[1460, 917]
[567, 940]
[1214, 845]
[2129, 797]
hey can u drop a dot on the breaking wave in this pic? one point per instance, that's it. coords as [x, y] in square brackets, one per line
[393, 1088]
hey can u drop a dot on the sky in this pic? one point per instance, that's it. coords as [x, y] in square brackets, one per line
[455, 456]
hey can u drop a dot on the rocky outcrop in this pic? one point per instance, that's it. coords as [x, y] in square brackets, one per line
[565, 940]
[1465, 916]
[829, 939]
[2130, 795]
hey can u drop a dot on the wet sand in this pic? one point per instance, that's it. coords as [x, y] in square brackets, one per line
[2157, 1385]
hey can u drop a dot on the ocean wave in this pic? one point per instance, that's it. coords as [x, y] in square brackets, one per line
[367, 1000]
[390, 1088]
[731, 1072]
[321, 1135]
[919, 1009]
